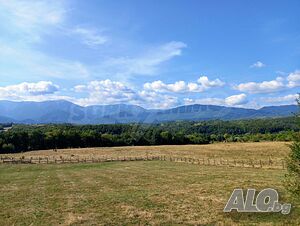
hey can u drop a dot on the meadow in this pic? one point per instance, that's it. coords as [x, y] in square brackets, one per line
[140, 192]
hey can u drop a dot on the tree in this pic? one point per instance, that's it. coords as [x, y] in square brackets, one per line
[292, 179]
[166, 137]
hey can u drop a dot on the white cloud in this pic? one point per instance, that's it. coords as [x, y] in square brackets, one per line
[144, 64]
[181, 87]
[291, 99]
[177, 87]
[25, 90]
[31, 17]
[90, 37]
[36, 64]
[28, 22]
[294, 79]
[263, 87]
[235, 100]
[206, 101]
[157, 100]
[25, 22]
[206, 83]
[105, 92]
[258, 64]
[112, 92]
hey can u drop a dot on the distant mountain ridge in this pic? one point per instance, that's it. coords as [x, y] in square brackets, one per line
[62, 111]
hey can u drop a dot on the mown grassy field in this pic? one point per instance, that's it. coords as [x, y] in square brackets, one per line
[139, 193]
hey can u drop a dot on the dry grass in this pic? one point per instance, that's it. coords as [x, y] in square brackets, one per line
[238, 151]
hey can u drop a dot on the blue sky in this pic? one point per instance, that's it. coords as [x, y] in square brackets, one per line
[156, 54]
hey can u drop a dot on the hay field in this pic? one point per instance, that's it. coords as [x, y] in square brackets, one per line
[238, 151]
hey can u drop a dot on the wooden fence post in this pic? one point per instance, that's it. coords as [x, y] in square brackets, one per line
[270, 161]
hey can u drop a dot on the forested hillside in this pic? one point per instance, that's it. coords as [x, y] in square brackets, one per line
[22, 138]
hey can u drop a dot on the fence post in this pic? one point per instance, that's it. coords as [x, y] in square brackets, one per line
[270, 161]
[260, 162]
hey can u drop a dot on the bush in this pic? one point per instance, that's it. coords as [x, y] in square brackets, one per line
[8, 148]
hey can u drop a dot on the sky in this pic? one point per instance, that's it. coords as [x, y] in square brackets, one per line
[151, 53]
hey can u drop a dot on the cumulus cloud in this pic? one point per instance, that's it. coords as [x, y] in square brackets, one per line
[288, 99]
[157, 100]
[26, 91]
[263, 87]
[206, 101]
[234, 100]
[181, 87]
[105, 92]
[258, 64]
[206, 83]
[294, 79]
[112, 92]
[90, 37]
[177, 87]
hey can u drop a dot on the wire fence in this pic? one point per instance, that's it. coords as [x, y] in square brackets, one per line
[246, 163]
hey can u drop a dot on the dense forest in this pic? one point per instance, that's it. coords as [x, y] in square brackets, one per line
[21, 138]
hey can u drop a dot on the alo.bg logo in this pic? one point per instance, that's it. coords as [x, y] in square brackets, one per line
[266, 201]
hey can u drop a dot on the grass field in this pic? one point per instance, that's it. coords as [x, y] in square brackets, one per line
[261, 150]
[139, 193]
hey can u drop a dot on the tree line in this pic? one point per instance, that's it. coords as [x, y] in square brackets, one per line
[21, 138]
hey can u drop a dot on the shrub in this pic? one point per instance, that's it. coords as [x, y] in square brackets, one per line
[8, 148]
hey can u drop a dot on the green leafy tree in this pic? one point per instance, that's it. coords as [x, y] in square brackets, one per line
[292, 180]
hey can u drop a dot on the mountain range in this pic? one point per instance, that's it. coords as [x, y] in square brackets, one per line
[62, 111]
